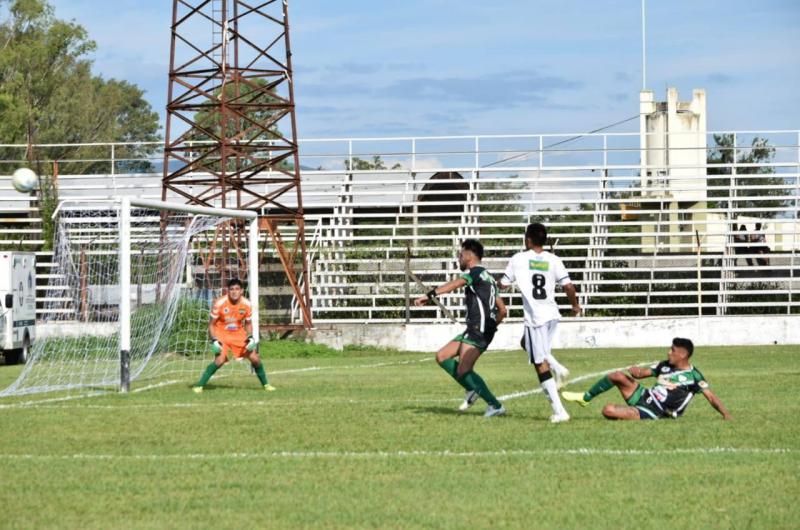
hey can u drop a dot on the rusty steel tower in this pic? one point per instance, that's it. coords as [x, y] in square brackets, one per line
[231, 133]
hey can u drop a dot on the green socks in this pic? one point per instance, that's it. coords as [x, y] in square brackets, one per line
[598, 388]
[477, 383]
[262, 376]
[470, 381]
[451, 367]
[210, 370]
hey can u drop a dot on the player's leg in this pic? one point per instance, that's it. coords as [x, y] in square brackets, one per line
[559, 371]
[537, 344]
[621, 412]
[211, 369]
[258, 367]
[626, 384]
[466, 361]
[466, 374]
[446, 357]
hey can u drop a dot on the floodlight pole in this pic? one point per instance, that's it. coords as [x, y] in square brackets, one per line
[231, 131]
[644, 48]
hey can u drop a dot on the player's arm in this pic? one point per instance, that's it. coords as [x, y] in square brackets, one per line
[639, 372]
[216, 345]
[501, 309]
[508, 277]
[572, 296]
[442, 289]
[717, 404]
[562, 277]
[212, 323]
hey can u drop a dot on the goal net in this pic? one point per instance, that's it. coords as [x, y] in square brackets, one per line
[130, 291]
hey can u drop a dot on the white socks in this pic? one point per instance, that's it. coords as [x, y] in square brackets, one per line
[554, 364]
[551, 392]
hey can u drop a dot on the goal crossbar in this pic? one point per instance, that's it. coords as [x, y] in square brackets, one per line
[125, 266]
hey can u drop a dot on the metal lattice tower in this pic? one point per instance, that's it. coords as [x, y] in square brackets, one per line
[231, 133]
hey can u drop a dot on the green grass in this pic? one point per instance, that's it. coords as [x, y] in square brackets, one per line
[330, 449]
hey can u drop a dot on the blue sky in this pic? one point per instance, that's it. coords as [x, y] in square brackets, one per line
[451, 67]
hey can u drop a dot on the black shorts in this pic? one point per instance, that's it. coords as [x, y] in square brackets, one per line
[642, 400]
[474, 337]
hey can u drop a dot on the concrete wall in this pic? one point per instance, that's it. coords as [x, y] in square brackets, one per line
[579, 333]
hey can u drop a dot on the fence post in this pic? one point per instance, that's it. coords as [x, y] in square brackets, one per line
[407, 285]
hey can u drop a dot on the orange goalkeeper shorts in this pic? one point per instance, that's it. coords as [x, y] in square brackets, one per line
[234, 346]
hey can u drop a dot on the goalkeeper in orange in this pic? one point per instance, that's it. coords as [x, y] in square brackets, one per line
[231, 332]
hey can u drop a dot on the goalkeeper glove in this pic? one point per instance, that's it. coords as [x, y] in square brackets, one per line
[216, 347]
[252, 343]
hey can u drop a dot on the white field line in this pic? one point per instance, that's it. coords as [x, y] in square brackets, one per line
[581, 451]
[23, 404]
[282, 403]
[272, 402]
[539, 390]
[38, 403]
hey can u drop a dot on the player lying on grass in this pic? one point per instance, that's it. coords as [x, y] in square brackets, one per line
[677, 383]
[485, 310]
[231, 332]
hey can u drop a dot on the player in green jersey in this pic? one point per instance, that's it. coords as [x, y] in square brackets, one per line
[677, 383]
[485, 310]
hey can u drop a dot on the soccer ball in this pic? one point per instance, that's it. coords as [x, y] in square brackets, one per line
[24, 180]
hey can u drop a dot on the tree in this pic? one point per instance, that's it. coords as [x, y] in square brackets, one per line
[377, 163]
[758, 154]
[48, 94]
[256, 123]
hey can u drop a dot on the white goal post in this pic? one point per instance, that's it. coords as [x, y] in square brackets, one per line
[130, 290]
[125, 266]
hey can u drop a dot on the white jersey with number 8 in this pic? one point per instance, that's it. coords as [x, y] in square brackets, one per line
[536, 275]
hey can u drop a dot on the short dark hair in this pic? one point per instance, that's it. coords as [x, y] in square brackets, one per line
[474, 246]
[686, 344]
[537, 234]
[235, 281]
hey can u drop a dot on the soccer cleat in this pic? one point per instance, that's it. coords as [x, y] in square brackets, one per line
[197, 389]
[561, 377]
[269, 388]
[559, 418]
[575, 397]
[494, 411]
[469, 399]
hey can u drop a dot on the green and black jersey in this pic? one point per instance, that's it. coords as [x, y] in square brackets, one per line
[481, 293]
[674, 388]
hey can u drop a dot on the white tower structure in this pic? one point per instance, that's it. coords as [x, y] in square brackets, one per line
[673, 143]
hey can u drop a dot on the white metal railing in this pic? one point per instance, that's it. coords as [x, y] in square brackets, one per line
[631, 244]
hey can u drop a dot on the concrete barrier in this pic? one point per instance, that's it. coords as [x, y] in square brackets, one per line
[578, 333]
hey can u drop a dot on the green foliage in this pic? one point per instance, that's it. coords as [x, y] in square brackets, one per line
[253, 123]
[295, 349]
[48, 94]
[759, 152]
[365, 165]
[48, 202]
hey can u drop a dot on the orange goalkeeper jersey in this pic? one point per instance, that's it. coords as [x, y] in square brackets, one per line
[230, 317]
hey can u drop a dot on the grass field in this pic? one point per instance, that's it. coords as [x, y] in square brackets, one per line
[371, 440]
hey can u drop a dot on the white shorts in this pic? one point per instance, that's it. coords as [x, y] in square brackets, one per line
[538, 340]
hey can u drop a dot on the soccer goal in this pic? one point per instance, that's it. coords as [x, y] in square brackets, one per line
[129, 293]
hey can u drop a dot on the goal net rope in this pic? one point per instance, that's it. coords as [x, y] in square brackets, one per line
[178, 261]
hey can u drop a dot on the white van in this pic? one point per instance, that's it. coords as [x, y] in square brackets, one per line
[18, 299]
